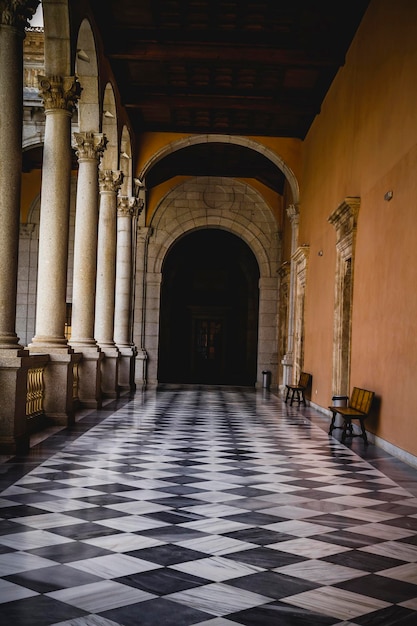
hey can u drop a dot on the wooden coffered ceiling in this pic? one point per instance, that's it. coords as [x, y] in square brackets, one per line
[246, 67]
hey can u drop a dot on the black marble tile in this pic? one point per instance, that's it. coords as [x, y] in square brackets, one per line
[167, 554]
[162, 581]
[156, 612]
[38, 611]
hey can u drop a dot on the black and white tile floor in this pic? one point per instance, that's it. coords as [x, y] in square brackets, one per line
[209, 506]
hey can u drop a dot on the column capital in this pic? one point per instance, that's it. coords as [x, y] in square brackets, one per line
[17, 13]
[59, 92]
[129, 206]
[110, 180]
[89, 146]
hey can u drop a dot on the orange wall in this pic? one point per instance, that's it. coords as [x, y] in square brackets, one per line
[364, 143]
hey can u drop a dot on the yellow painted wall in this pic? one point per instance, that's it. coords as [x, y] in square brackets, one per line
[31, 185]
[364, 143]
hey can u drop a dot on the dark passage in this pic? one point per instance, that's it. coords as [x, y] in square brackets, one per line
[209, 311]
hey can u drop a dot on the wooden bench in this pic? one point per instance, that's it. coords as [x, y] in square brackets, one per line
[297, 391]
[358, 408]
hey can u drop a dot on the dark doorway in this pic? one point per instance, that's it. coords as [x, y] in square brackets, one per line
[209, 311]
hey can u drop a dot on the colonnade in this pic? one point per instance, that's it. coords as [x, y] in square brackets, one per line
[98, 360]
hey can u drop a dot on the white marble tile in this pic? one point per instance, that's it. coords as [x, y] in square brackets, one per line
[100, 596]
[407, 573]
[131, 523]
[217, 568]
[9, 592]
[310, 548]
[216, 544]
[215, 526]
[32, 539]
[320, 572]
[61, 505]
[218, 599]
[113, 565]
[16, 562]
[356, 501]
[382, 531]
[299, 528]
[138, 507]
[336, 602]
[368, 514]
[47, 520]
[123, 542]
[395, 550]
[408, 604]
[291, 512]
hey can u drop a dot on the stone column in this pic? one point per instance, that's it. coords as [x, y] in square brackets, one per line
[14, 361]
[123, 313]
[13, 19]
[288, 360]
[60, 96]
[109, 182]
[89, 147]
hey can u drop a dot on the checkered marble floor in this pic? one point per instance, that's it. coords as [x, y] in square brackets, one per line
[210, 506]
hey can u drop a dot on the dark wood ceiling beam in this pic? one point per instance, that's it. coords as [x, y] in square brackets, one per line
[224, 53]
[215, 102]
[207, 102]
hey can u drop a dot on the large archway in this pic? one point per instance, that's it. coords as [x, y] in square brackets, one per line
[209, 311]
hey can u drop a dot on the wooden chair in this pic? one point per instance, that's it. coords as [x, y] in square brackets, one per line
[358, 408]
[297, 391]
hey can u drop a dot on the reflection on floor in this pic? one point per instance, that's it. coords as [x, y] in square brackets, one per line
[212, 506]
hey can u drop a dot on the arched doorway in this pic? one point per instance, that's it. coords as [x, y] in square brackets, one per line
[209, 311]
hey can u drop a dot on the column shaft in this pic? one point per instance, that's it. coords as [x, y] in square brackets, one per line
[11, 84]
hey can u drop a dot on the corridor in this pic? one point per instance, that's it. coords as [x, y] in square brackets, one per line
[213, 506]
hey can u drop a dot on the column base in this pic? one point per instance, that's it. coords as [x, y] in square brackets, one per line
[140, 370]
[127, 368]
[89, 376]
[110, 372]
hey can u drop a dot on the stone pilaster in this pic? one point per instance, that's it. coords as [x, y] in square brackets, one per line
[89, 148]
[287, 362]
[128, 208]
[141, 373]
[60, 95]
[109, 184]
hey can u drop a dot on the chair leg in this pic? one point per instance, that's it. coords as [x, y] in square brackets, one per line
[303, 400]
[287, 395]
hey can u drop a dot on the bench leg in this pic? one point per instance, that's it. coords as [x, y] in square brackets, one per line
[347, 428]
[332, 426]
[364, 437]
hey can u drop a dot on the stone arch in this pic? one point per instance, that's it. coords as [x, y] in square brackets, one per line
[110, 160]
[86, 68]
[238, 141]
[209, 202]
[126, 163]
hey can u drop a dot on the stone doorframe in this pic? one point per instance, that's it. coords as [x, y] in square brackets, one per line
[344, 218]
[207, 202]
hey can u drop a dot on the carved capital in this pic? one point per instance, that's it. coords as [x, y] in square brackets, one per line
[59, 92]
[17, 13]
[26, 230]
[126, 206]
[110, 180]
[90, 146]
